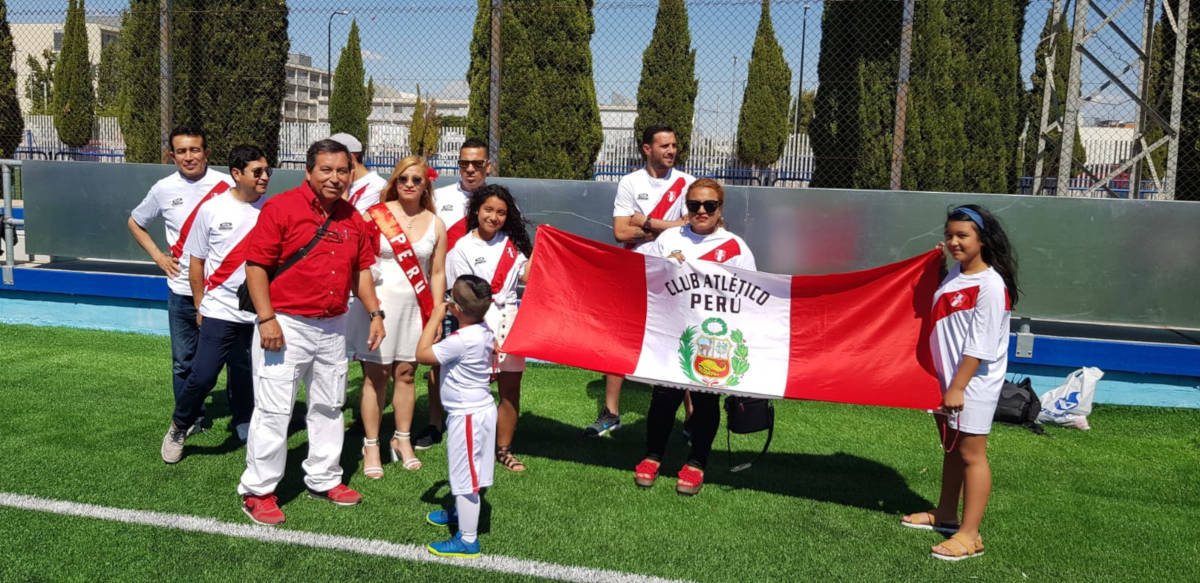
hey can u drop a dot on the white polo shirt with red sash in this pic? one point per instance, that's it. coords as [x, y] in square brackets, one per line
[451, 203]
[364, 192]
[218, 236]
[497, 261]
[176, 199]
[402, 248]
[657, 198]
[720, 246]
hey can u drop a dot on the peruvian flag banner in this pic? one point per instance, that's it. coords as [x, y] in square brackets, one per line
[857, 337]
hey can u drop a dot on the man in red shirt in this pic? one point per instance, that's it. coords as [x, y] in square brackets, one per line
[301, 331]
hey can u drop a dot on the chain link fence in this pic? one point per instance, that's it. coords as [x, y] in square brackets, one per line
[970, 75]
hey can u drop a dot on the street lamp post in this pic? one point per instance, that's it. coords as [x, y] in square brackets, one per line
[329, 46]
[803, 45]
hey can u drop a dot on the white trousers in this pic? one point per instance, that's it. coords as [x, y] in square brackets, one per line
[314, 353]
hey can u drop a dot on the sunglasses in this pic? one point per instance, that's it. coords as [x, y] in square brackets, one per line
[710, 206]
[478, 164]
[410, 180]
[258, 172]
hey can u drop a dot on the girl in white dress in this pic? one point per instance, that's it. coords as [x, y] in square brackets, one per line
[408, 197]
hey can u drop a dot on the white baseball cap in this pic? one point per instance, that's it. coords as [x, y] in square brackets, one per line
[349, 141]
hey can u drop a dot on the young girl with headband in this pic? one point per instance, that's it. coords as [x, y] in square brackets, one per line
[969, 343]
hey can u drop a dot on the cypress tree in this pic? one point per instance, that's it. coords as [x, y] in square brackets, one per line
[347, 111]
[801, 113]
[1033, 101]
[39, 84]
[853, 111]
[763, 124]
[550, 122]
[479, 73]
[74, 101]
[191, 69]
[11, 122]
[934, 140]
[668, 87]
[423, 129]
[108, 82]
[990, 102]
[247, 50]
[139, 82]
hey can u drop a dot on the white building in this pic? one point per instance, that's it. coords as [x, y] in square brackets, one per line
[31, 39]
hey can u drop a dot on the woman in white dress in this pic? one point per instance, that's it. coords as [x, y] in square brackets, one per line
[407, 206]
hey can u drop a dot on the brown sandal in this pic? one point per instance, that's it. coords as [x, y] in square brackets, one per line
[928, 521]
[958, 547]
[505, 457]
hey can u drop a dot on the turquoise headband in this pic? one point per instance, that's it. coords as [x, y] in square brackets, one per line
[978, 220]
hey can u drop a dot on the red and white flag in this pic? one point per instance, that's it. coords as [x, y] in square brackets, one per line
[858, 337]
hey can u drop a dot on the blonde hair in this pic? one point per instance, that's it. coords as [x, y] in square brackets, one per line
[714, 186]
[389, 191]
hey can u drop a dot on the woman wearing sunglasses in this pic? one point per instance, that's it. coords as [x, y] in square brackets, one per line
[702, 238]
[410, 237]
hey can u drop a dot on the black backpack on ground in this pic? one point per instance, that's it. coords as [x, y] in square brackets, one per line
[748, 415]
[1019, 405]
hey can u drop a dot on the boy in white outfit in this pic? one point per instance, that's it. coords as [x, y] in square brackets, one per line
[466, 358]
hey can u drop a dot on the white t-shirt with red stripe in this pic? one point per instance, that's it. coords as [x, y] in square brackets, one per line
[220, 225]
[719, 246]
[173, 198]
[451, 204]
[364, 192]
[475, 256]
[971, 318]
[638, 192]
[466, 360]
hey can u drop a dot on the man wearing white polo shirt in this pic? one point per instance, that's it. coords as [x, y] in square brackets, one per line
[175, 199]
[648, 202]
[451, 202]
[216, 249]
[367, 184]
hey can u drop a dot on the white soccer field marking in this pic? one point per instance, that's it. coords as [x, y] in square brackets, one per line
[498, 563]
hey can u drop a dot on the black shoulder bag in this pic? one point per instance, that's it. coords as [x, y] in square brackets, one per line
[245, 304]
[748, 415]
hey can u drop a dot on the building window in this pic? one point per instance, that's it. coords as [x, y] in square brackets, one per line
[58, 36]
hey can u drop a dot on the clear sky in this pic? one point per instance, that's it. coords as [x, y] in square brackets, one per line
[406, 42]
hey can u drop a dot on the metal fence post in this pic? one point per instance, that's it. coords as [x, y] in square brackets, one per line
[494, 93]
[1048, 89]
[906, 34]
[10, 223]
[1181, 43]
[164, 72]
[1062, 187]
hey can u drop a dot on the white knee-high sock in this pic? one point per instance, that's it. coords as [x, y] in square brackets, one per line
[468, 516]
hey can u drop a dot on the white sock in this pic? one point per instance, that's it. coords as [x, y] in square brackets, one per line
[468, 516]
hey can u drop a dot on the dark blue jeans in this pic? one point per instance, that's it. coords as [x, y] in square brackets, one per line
[222, 343]
[181, 320]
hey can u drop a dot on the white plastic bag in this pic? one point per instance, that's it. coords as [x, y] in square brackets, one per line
[1070, 404]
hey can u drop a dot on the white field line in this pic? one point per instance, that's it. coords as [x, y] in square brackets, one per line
[363, 546]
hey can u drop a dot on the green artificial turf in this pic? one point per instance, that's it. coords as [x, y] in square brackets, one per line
[82, 415]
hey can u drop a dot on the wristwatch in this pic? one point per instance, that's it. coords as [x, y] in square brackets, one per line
[376, 313]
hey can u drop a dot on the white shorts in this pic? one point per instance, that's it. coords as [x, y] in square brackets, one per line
[500, 321]
[977, 413]
[471, 449]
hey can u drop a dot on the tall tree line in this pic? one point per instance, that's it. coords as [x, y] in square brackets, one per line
[74, 101]
[667, 90]
[1187, 177]
[228, 76]
[965, 95]
[11, 122]
[349, 99]
[549, 118]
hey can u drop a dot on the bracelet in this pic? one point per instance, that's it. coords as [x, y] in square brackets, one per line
[265, 320]
[647, 226]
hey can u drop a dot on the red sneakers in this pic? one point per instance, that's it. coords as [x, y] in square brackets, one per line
[340, 495]
[263, 509]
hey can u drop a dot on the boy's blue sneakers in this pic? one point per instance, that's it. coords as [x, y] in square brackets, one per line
[442, 517]
[454, 547]
[606, 423]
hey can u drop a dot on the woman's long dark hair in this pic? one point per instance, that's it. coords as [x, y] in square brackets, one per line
[996, 251]
[514, 223]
